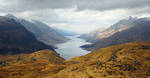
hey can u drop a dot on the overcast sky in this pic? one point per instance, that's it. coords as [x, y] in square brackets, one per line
[76, 15]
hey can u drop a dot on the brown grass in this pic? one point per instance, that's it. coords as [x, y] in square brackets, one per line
[131, 60]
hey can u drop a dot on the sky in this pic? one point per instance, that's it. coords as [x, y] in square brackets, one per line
[76, 15]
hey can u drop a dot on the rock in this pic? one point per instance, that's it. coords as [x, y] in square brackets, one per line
[75, 62]
[137, 63]
[145, 47]
[73, 69]
[90, 77]
[127, 67]
[3, 63]
[99, 63]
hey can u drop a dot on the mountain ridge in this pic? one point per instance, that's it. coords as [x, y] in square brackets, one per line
[137, 32]
[106, 32]
[14, 38]
[43, 32]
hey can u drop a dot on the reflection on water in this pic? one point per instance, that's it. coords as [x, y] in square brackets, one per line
[72, 48]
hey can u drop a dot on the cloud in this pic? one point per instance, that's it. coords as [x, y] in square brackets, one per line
[80, 21]
[76, 15]
[101, 5]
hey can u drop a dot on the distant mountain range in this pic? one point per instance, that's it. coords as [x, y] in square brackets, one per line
[105, 33]
[93, 35]
[124, 31]
[42, 32]
[14, 38]
[66, 32]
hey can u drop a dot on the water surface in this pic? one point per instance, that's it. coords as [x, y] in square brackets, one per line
[72, 47]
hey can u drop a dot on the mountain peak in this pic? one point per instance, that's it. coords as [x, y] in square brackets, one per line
[10, 16]
[130, 18]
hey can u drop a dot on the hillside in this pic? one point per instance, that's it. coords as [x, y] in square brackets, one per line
[101, 33]
[66, 32]
[35, 65]
[131, 60]
[122, 61]
[139, 31]
[93, 36]
[42, 32]
[14, 38]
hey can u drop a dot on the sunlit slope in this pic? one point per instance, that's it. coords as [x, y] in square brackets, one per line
[130, 60]
[36, 65]
[138, 32]
[101, 33]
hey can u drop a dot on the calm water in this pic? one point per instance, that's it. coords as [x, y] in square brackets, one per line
[72, 47]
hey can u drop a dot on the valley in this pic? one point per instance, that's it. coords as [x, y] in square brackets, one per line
[39, 51]
[74, 39]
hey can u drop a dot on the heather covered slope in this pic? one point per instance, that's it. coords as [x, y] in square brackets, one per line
[130, 60]
[35, 65]
[14, 38]
[139, 31]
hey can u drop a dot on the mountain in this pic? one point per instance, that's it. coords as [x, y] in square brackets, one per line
[66, 32]
[14, 38]
[139, 31]
[131, 60]
[42, 32]
[93, 35]
[106, 32]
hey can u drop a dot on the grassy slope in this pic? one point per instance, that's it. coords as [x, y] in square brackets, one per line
[131, 60]
[36, 65]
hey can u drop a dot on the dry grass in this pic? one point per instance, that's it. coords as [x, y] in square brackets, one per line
[131, 60]
[36, 65]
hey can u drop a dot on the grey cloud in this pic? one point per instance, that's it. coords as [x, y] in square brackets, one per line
[101, 5]
[114, 4]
